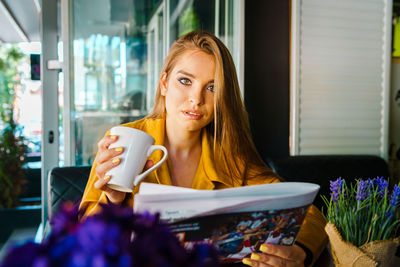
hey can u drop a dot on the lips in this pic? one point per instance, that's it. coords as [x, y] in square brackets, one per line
[192, 114]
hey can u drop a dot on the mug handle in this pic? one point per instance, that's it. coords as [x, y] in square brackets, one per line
[153, 148]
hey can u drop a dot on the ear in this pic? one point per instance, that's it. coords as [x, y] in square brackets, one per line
[163, 83]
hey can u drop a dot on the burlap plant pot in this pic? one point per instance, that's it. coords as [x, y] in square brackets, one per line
[376, 253]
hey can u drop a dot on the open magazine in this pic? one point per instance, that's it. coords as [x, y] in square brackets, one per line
[236, 220]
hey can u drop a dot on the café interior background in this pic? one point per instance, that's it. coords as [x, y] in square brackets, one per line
[101, 59]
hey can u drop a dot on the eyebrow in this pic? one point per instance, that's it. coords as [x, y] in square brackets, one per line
[191, 75]
[186, 73]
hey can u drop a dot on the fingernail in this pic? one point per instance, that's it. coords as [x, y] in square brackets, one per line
[107, 178]
[119, 149]
[113, 137]
[247, 261]
[115, 160]
[255, 256]
[264, 248]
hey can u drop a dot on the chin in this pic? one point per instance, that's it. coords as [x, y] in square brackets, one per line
[194, 126]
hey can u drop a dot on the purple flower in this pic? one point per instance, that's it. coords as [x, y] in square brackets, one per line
[204, 255]
[378, 185]
[114, 237]
[31, 254]
[361, 190]
[336, 189]
[371, 184]
[395, 197]
[66, 220]
[382, 185]
[394, 200]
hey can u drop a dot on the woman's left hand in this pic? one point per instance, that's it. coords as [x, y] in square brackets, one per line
[277, 255]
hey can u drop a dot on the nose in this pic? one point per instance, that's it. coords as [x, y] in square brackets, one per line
[196, 96]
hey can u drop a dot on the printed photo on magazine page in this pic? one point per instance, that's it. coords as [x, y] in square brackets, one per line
[236, 220]
[236, 235]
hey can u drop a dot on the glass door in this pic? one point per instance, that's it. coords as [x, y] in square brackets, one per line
[114, 50]
[108, 77]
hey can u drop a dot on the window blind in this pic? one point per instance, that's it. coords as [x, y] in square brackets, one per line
[339, 76]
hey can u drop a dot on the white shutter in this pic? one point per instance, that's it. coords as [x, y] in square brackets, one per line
[340, 62]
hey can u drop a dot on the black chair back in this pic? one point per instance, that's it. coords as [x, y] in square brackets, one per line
[320, 169]
[66, 183]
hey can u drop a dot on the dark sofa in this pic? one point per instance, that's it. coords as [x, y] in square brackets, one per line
[68, 183]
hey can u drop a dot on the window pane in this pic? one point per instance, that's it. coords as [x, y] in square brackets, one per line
[186, 16]
[109, 81]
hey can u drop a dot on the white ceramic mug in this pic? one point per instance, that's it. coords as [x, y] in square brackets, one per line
[138, 146]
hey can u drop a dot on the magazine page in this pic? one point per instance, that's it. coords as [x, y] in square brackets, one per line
[236, 220]
[158, 189]
[173, 205]
[237, 235]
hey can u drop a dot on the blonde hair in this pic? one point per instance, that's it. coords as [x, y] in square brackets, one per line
[234, 150]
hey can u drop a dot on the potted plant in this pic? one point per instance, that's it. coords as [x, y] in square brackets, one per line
[12, 148]
[362, 223]
[12, 145]
[12, 158]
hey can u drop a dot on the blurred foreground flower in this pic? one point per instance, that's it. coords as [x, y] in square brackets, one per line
[114, 237]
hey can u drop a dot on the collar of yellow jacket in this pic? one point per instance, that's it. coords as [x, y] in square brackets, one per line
[209, 179]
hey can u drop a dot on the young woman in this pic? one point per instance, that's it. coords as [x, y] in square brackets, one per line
[199, 116]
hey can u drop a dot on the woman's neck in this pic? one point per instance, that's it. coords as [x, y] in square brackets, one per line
[182, 143]
[184, 150]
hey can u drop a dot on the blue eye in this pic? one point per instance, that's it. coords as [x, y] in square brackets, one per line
[185, 81]
[211, 88]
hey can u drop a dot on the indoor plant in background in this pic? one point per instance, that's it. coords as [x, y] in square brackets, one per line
[12, 149]
[12, 143]
[363, 220]
[12, 158]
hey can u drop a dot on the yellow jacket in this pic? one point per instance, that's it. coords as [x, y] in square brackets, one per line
[311, 235]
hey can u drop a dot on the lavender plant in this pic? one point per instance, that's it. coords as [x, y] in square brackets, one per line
[364, 211]
[114, 237]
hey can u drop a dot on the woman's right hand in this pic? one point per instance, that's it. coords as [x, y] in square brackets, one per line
[106, 160]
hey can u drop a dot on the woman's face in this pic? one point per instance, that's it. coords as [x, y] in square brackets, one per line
[189, 91]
